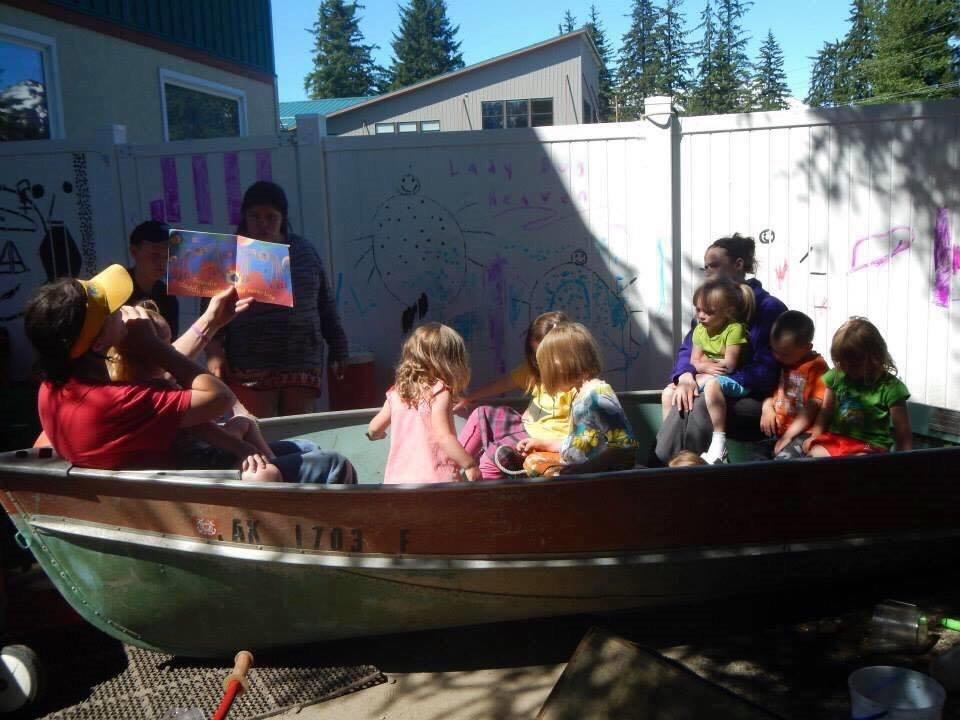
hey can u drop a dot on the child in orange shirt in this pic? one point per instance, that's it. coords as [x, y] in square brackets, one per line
[790, 412]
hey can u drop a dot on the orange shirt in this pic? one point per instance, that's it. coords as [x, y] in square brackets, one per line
[798, 386]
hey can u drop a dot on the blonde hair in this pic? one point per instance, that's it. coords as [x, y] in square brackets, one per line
[726, 297]
[858, 341]
[685, 458]
[433, 353]
[537, 331]
[567, 356]
[125, 369]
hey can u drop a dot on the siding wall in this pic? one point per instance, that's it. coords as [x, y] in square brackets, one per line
[550, 72]
[105, 80]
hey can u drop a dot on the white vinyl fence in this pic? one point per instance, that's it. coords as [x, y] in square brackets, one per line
[852, 210]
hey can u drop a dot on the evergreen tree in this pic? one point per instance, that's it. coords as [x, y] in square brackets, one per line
[703, 96]
[914, 59]
[731, 66]
[569, 23]
[605, 90]
[823, 76]
[425, 45]
[671, 52]
[342, 64]
[770, 88]
[635, 70]
[857, 48]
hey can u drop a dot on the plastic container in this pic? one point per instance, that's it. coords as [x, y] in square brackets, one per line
[357, 389]
[898, 625]
[894, 693]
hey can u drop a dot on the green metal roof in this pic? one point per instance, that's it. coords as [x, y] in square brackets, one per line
[323, 106]
[236, 30]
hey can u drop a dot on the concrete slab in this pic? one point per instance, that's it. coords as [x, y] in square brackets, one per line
[502, 693]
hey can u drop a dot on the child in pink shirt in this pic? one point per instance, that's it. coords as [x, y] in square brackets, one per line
[432, 374]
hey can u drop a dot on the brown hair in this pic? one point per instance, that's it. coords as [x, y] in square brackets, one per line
[858, 341]
[739, 246]
[433, 353]
[685, 458]
[567, 356]
[537, 331]
[53, 320]
[724, 296]
[125, 369]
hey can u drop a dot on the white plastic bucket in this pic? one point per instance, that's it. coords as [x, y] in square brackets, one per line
[883, 692]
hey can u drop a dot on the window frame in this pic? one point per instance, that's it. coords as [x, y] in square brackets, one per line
[532, 113]
[391, 125]
[207, 87]
[47, 46]
[432, 130]
[400, 123]
[504, 114]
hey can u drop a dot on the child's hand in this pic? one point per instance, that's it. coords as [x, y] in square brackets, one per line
[461, 405]
[717, 367]
[768, 422]
[472, 473]
[528, 445]
[808, 443]
[378, 435]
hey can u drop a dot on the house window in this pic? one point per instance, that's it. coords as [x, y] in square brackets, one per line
[29, 93]
[407, 127]
[541, 112]
[587, 112]
[498, 114]
[430, 126]
[385, 128]
[195, 109]
[492, 113]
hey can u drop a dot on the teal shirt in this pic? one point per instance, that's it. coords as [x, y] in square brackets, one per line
[862, 411]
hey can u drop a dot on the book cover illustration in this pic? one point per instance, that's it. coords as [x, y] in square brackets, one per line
[201, 264]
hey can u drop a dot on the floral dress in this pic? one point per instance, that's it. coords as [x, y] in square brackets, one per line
[598, 423]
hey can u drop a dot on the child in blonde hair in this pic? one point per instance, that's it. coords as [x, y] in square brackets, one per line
[863, 397]
[600, 436]
[492, 432]
[724, 308]
[239, 436]
[433, 372]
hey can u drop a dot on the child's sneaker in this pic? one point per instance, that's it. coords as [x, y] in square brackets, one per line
[508, 460]
[712, 459]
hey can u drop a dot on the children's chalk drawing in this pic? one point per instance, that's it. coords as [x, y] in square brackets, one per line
[861, 257]
[418, 250]
[584, 295]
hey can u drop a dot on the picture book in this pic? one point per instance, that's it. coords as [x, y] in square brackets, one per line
[201, 264]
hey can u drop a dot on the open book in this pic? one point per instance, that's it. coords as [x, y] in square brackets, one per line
[202, 264]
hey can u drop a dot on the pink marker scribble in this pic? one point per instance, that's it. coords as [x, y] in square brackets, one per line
[944, 258]
[781, 274]
[171, 190]
[201, 189]
[231, 181]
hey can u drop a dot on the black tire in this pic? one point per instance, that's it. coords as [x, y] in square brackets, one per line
[19, 677]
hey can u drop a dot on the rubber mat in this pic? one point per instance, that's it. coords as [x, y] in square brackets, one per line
[153, 685]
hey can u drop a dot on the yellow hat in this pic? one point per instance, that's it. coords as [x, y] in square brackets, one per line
[106, 293]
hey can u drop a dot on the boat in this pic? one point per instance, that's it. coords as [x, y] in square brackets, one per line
[195, 563]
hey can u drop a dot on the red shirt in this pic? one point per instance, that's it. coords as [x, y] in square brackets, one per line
[112, 426]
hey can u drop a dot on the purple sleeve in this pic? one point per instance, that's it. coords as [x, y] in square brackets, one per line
[762, 372]
[683, 358]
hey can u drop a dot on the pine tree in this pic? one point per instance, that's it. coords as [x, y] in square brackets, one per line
[342, 64]
[635, 70]
[605, 90]
[425, 45]
[671, 52]
[854, 52]
[569, 23]
[732, 66]
[702, 99]
[823, 76]
[914, 59]
[770, 90]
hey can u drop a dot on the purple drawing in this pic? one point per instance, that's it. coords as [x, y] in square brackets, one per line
[944, 258]
[496, 301]
[903, 234]
[231, 181]
[171, 190]
[201, 189]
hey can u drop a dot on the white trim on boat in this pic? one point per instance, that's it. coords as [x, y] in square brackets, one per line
[261, 553]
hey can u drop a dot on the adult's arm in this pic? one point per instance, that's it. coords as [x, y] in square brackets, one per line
[761, 372]
[330, 326]
[209, 397]
[683, 364]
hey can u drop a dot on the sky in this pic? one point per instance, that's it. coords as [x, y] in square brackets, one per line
[493, 27]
